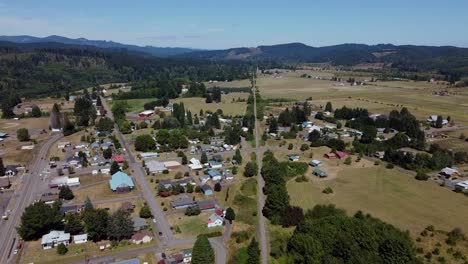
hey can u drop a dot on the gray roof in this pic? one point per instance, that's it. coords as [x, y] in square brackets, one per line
[155, 166]
[138, 222]
[182, 201]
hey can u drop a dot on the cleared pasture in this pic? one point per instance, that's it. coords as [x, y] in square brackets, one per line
[386, 194]
[229, 104]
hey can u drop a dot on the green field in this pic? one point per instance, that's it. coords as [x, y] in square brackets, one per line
[388, 195]
[229, 107]
[135, 105]
[192, 226]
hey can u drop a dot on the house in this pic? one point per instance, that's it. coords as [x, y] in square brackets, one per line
[330, 155]
[64, 180]
[103, 244]
[207, 205]
[74, 161]
[461, 186]
[228, 175]
[142, 237]
[315, 163]
[149, 155]
[62, 145]
[118, 158]
[215, 164]
[207, 190]
[449, 172]
[319, 173]
[214, 174]
[80, 239]
[121, 182]
[341, 154]
[49, 198]
[127, 207]
[11, 170]
[139, 223]
[214, 221]
[182, 202]
[146, 113]
[379, 154]
[187, 255]
[54, 238]
[167, 184]
[195, 164]
[204, 178]
[155, 166]
[171, 165]
[433, 120]
[70, 209]
[293, 157]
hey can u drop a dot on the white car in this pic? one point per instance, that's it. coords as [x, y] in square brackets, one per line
[15, 252]
[154, 220]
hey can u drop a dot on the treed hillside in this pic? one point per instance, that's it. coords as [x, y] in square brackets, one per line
[445, 60]
[52, 68]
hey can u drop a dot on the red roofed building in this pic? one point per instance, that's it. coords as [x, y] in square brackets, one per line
[118, 158]
[330, 155]
[341, 154]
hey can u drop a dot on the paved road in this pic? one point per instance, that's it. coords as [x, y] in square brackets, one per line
[261, 231]
[23, 197]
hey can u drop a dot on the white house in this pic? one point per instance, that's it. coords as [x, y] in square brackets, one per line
[142, 237]
[215, 220]
[195, 164]
[80, 239]
[462, 186]
[64, 144]
[54, 238]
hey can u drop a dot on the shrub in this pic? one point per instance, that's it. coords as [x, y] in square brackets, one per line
[454, 236]
[62, 249]
[178, 175]
[145, 212]
[420, 250]
[430, 228]
[192, 210]
[290, 146]
[327, 190]
[420, 176]
[377, 162]
[165, 171]
[241, 236]
[348, 161]
[302, 178]
[304, 147]
[436, 251]
[389, 166]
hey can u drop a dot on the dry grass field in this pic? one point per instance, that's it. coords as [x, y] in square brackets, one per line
[191, 226]
[387, 194]
[380, 97]
[227, 104]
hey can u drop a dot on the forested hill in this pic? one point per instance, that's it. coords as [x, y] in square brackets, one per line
[154, 51]
[35, 69]
[408, 58]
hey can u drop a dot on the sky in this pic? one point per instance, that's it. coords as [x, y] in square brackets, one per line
[220, 24]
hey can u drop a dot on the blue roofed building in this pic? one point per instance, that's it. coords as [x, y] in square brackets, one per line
[214, 174]
[121, 182]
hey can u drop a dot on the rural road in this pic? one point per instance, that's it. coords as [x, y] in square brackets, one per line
[23, 197]
[261, 231]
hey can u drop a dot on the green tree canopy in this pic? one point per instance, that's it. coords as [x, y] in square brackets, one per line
[38, 219]
[202, 251]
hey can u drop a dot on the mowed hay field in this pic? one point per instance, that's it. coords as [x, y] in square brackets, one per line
[380, 97]
[229, 107]
[387, 194]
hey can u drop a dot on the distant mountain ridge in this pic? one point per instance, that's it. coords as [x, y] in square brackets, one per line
[154, 51]
[444, 59]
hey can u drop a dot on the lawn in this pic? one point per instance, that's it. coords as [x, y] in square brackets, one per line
[33, 252]
[191, 226]
[388, 195]
[100, 191]
[229, 107]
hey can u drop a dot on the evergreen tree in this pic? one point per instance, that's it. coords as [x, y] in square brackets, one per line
[439, 122]
[202, 251]
[73, 224]
[120, 225]
[204, 158]
[189, 118]
[88, 205]
[196, 121]
[114, 168]
[37, 220]
[22, 134]
[273, 125]
[107, 153]
[145, 212]
[253, 252]
[96, 223]
[36, 111]
[328, 107]
[237, 156]
[230, 214]
[66, 193]
[250, 169]
[62, 249]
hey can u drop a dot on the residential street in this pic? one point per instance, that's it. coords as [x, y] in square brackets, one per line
[24, 196]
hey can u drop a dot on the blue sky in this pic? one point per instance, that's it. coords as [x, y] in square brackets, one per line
[215, 24]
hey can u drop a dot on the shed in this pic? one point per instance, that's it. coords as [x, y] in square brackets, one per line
[330, 155]
[171, 165]
[80, 239]
[293, 157]
[341, 154]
